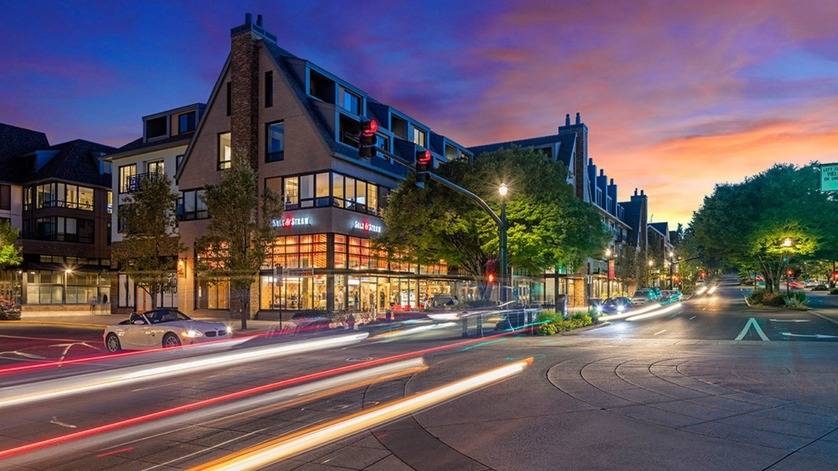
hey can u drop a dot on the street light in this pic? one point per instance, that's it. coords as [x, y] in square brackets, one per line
[67, 272]
[787, 246]
[671, 269]
[651, 279]
[608, 254]
[502, 191]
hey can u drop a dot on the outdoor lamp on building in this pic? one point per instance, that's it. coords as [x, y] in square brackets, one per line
[503, 190]
[67, 273]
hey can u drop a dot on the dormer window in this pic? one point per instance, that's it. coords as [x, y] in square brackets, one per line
[156, 128]
[186, 122]
[351, 102]
[420, 137]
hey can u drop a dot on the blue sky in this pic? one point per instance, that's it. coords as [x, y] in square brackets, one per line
[678, 96]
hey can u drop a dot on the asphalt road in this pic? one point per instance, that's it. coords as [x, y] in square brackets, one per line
[671, 392]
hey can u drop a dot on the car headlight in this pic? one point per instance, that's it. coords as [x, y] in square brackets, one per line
[192, 333]
[229, 329]
[621, 308]
[599, 308]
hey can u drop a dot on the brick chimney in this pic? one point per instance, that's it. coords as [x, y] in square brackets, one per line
[244, 92]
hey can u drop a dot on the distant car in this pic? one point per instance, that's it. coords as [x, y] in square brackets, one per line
[165, 327]
[810, 283]
[311, 321]
[796, 284]
[670, 295]
[820, 287]
[615, 305]
[644, 295]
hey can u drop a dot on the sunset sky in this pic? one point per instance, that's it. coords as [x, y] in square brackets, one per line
[677, 95]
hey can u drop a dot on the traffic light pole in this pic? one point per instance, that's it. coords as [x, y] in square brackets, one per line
[499, 220]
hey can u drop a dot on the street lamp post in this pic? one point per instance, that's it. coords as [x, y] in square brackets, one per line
[502, 190]
[671, 270]
[651, 278]
[67, 272]
[608, 254]
[787, 245]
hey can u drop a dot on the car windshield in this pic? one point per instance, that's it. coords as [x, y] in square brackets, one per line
[165, 315]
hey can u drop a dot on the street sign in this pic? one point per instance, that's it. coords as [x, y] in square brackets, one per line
[829, 177]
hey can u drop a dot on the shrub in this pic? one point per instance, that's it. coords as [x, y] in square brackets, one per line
[756, 296]
[547, 316]
[773, 299]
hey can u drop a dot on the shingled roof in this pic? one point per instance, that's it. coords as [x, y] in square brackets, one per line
[16, 142]
[76, 161]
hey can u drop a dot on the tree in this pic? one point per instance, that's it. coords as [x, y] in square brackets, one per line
[149, 249]
[239, 233]
[547, 225]
[745, 225]
[10, 253]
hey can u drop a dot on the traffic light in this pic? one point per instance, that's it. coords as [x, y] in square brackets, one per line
[424, 163]
[367, 140]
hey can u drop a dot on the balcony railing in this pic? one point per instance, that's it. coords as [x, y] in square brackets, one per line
[134, 181]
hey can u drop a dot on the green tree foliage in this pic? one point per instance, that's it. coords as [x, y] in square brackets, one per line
[547, 225]
[239, 234]
[10, 253]
[744, 225]
[149, 249]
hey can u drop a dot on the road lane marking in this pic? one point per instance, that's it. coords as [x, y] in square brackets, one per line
[757, 328]
[693, 317]
[660, 332]
[789, 320]
[811, 336]
[828, 319]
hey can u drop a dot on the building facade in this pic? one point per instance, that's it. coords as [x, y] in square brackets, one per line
[298, 126]
[59, 197]
[159, 152]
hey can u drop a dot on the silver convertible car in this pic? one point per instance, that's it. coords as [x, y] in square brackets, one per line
[165, 327]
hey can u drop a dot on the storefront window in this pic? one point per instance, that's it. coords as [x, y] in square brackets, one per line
[213, 295]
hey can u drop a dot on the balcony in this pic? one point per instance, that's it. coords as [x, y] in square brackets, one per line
[134, 181]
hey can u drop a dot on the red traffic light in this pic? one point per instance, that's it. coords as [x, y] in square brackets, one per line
[424, 157]
[369, 127]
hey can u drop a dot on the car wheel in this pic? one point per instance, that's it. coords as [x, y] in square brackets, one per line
[112, 343]
[171, 340]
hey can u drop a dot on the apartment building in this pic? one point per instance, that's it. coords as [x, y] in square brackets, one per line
[59, 197]
[158, 152]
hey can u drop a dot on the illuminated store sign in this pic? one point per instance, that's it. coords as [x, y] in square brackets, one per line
[290, 221]
[367, 226]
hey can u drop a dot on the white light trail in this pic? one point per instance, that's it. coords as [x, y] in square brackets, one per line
[656, 313]
[54, 388]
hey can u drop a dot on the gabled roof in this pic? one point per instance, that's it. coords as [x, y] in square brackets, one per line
[137, 145]
[16, 142]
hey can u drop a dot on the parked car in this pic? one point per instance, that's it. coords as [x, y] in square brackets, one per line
[670, 296]
[311, 321]
[796, 284]
[820, 287]
[615, 305]
[164, 327]
[810, 283]
[644, 295]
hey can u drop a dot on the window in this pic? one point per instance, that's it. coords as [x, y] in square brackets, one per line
[225, 151]
[420, 137]
[275, 145]
[229, 98]
[383, 144]
[399, 127]
[156, 167]
[306, 191]
[269, 89]
[351, 102]
[291, 193]
[213, 294]
[191, 205]
[110, 201]
[6, 197]
[303, 251]
[85, 200]
[156, 127]
[321, 190]
[186, 122]
[64, 229]
[126, 177]
[321, 87]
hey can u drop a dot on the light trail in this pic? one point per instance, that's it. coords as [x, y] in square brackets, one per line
[413, 330]
[284, 393]
[289, 445]
[656, 313]
[633, 312]
[54, 388]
